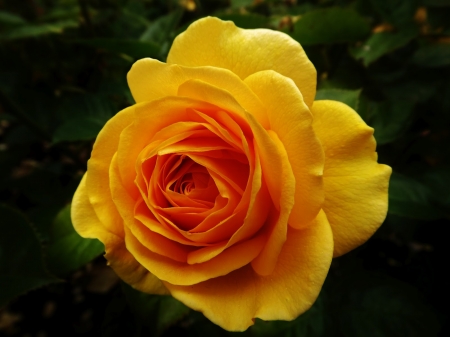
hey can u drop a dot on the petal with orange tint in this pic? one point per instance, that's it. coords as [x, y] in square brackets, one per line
[212, 42]
[119, 258]
[356, 186]
[148, 119]
[184, 274]
[291, 120]
[289, 291]
[151, 80]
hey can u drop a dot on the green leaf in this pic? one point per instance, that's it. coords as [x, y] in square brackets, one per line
[438, 180]
[246, 21]
[380, 44]
[11, 19]
[83, 116]
[397, 12]
[21, 262]
[349, 97]
[67, 250]
[372, 305]
[437, 55]
[29, 31]
[389, 119]
[161, 29]
[412, 199]
[241, 3]
[133, 48]
[330, 25]
[78, 128]
[157, 312]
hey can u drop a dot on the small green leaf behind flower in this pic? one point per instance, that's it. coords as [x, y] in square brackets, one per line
[67, 250]
[349, 97]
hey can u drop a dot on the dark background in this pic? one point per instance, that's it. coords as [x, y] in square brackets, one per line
[63, 68]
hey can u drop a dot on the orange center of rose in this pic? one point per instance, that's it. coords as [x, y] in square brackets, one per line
[194, 182]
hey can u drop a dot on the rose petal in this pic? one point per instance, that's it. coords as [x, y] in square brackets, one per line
[356, 186]
[212, 42]
[88, 225]
[184, 274]
[234, 300]
[151, 80]
[97, 177]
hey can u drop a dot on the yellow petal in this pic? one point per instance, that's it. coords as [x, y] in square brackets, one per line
[84, 218]
[151, 80]
[97, 177]
[291, 120]
[119, 258]
[184, 274]
[356, 186]
[234, 300]
[212, 42]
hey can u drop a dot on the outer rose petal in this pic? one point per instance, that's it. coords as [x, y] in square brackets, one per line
[151, 80]
[212, 42]
[291, 120]
[97, 176]
[356, 186]
[124, 264]
[233, 300]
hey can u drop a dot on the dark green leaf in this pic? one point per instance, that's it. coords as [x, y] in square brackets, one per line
[28, 31]
[397, 12]
[246, 21]
[157, 312]
[375, 306]
[412, 90]
[67, 250]
[438, 180]
[330, 25]
[134, 48]
[21, 263]
[437, 55]
[380, 44]
[7, 18]
[349, 97]
[412, 199]
[83, 128]
[161, 29]
[241, 3]
[389, 119]
[83, 116]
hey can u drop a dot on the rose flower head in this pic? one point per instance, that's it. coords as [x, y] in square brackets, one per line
[226, 185]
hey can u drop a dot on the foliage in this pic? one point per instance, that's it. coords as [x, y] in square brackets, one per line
[63, 75]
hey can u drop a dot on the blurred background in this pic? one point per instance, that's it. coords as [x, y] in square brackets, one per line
[63, 66]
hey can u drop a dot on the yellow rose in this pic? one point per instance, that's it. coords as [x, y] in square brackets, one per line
[226, 185]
